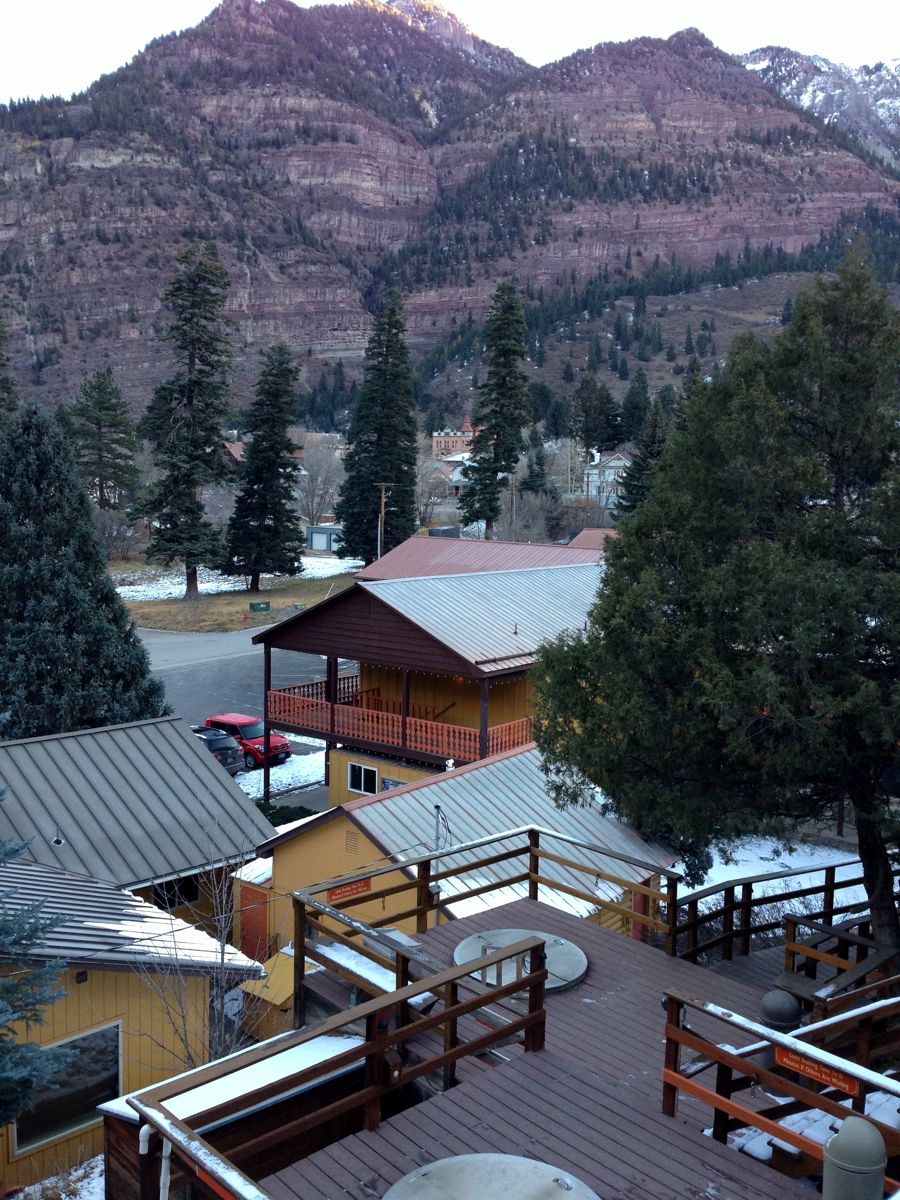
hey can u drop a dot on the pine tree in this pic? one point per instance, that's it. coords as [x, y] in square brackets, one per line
[26, 989]
[69, 655]
[381, 459]
[568, 374]
[104, 440]
[635, 407]
[8, 399]
[623, 371]
[536, 476]
[183, 421]
[597, 416]
[787, 313]
[500, 412]
[635, 482]
[688, 341]
[264, 533]
[741, 668]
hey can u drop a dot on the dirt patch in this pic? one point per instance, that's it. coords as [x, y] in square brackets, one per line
[227, 611]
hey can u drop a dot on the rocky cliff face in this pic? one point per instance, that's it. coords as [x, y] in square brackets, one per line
[333, 151]
[865, 101]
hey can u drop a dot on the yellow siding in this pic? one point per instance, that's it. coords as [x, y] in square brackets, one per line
[338, 789]
[150, 1052]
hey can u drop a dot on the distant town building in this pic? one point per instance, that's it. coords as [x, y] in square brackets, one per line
[452, 441]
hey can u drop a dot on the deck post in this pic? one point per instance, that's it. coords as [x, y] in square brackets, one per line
[451, 1035]
[828, 897]
[721, 1119]
[483, 720]
[728, 924]
[299, 963]
[534, 863]
[671, 916]
[376, 1028]
[331, 674]
[423, 895]
[267, 687]
[534, 1034]
[148, 1170]
[404, 709]
[672, 1057]
[401, 979]
[746, 917]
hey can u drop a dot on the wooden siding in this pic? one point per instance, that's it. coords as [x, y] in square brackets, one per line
[452, 698]
[150, 1052]
[356, 625]
[339, 791]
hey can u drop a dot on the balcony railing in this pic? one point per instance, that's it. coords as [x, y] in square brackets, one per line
[363, 716]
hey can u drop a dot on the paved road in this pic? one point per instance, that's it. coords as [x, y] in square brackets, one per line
[206, 673]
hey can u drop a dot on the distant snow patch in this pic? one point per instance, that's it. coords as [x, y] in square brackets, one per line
[170, 585]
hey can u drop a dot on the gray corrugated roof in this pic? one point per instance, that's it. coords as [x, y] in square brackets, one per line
[495, 620]
[99, 923]
[132, 803]
[505, 792]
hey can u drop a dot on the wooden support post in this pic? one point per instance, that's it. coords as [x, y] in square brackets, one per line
[401, 979]
[451, 1034]
[863, 1058]
[720, 1116]
[376, 1027]
[331, 674]
[691, 952]
[672, 1058]
[534, 1034]
[483, 721]
[728, 924]
[828, 896]
[423, 895]
[299, 963]
[267, 687]
[404, 709]
[746, 917]
[534, 863]
[790, 938]
[672, 917]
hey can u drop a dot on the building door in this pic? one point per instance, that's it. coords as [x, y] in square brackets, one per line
[254, 923]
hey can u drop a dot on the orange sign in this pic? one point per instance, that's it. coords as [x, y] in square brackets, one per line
[345, 890]
[814, 1070]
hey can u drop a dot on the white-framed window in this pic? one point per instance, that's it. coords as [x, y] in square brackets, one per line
[90, 1076]
[362, 779]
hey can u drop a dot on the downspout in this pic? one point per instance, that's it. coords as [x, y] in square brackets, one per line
[165, 1169]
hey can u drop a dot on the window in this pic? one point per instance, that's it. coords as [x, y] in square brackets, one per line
[362, 779]
[89, 1077]
[174, 893]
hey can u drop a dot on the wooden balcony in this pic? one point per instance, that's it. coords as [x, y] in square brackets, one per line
[364, 719]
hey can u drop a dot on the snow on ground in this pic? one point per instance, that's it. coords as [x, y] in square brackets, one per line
[81, 1183]
[300, 771]
[762, 856]
[814, 1124]
[170, 584]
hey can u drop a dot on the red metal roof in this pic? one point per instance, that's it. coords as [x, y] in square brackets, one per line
[420, 556]
[591, 539]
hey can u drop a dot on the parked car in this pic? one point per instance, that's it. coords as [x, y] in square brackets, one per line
[248, 732]
[223, 748]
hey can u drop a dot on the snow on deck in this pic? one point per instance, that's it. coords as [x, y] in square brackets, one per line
[814, 1124]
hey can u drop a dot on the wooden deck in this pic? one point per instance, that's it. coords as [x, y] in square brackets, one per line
[758, 970]
[590, 1102]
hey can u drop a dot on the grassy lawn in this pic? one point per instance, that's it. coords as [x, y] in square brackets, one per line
[226, 611]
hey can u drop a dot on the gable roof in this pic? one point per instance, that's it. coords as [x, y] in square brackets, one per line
[419, 556]
[593, 538]
[131, 804]
[96, 922]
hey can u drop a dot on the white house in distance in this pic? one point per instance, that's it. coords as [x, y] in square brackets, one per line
[603, 476]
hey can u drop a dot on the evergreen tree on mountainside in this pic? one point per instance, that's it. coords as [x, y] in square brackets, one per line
[598, 424]
[26, 989]
[69, 654]
[104, 440]
[183, 421]
[635, 483]
[264, 533]
[635, 407]
[501, 411]
[740, 673]
[8, 398]
[382, 444]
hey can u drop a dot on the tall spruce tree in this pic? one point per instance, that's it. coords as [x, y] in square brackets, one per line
[741, 669]
[501, 411]
[264, 533]
[8, 398]
[104, 440]
[635, 479]
[69, 654]
[183, 421]
[634, 407]
[598, 423]
[27, 987]
[381, 459]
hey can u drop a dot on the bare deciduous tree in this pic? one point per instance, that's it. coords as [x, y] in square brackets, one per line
[317, 487]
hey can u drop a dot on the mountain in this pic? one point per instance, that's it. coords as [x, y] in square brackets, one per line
[337, 150]
[865, 101]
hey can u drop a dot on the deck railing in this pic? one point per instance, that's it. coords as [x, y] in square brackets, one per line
[385, 1057]
[364, 716]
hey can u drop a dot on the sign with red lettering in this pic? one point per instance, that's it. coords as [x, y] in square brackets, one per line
[816, 1070]
[345, 890]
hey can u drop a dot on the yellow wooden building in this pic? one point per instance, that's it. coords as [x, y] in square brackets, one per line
[133, 1008]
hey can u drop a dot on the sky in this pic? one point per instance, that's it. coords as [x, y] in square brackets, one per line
[56, 47]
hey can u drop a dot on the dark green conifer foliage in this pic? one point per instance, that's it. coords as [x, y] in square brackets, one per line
[500, 412]
[26, 989]
[599, 425]
[536, 479]
[183, 421]
[634, 407]
[623, 370]
[69, 654]
[8, 398]
[740, 672]
[635, 481]
[104, 440]
[568, 374]
[688, 341]
[264, 533]
[382, 440]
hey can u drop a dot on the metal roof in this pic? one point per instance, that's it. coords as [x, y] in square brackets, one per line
[505, 792]
[595, 539]
[132, 804]
[96, 922]
[419, 556]
[495, 620]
